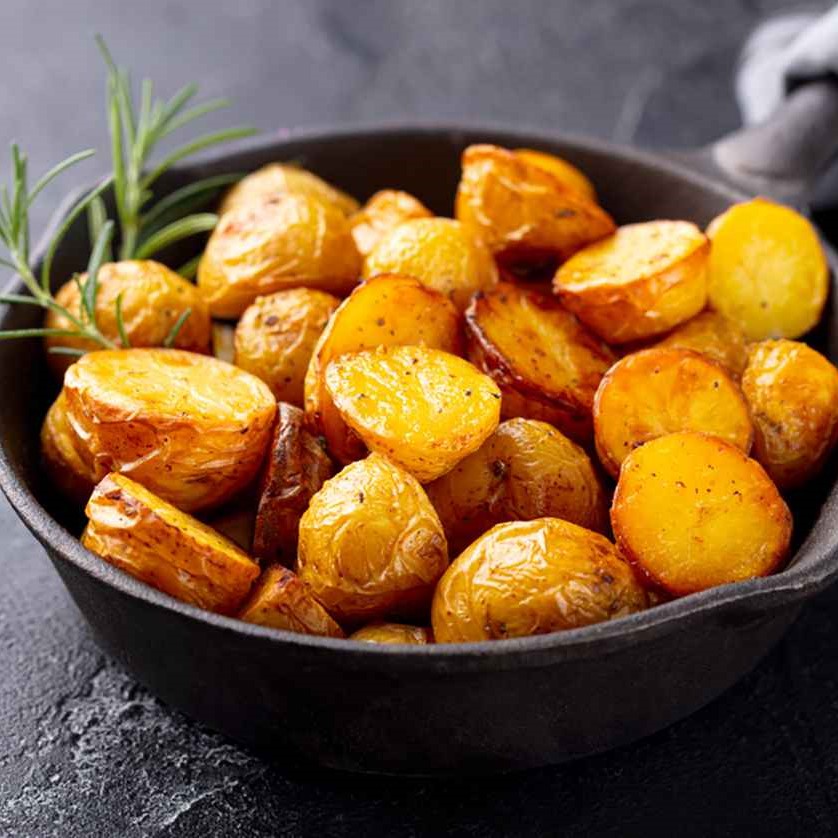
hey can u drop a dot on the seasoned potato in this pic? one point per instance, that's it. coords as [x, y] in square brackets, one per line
[440, 253]
[286, 242]
[714, 335]
[384, 311]
[235, 520]
[371, 545]
[277, 334]
[424, 409]
[296, 469]
[153, 299]
[563, 171]
[533, 577]
[282, 600]
[384, 211]
[547, 365]
[59, 452]
[767, 270]
[393, 633]
[138, 532]
[792, 392]
[661, 391]
[692, 511]
[277, 179]
[190, 428]
[224, 341]
[525, 470]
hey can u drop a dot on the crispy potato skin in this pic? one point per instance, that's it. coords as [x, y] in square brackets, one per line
[533, 577]
[282, 600]
[525, 470]
[191, 428]
[692, 511]
[422, 408]
[286, 242]
[384, 311]
[641, 281]
[296, 469]
[565, 172]
[59, 453]
[442, 254]
[382, 212]
[153, 298]
[714, 335]
[546, 363]
[767, 270]
[276, 336]
[371, 545]
[131, 528]
[661, 391]
[393, 633]
[792, 391]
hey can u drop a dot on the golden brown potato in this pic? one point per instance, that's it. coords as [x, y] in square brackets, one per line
[138, 532]
[767, 270]
[714, 335]
[641, 281]
[153, 299]
[190, 428]
[525, 470]
[277, 334]
[440, 253]
[59, 452]
[422, 408]
[384, 311]
[381, 213]
[563, 171]
[371, 545]
[533, 577]
[287, 242]
[792, 392]
[661, 391]
[296, 469]
[692, 511]
[547, 365]
[224, 341]
[235, 520]
[393, 633]
[282, 600]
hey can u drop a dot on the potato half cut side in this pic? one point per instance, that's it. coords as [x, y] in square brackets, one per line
[714, 335]
[393, 633]
[138, 532]
[565, 172]
[381, 213]
[642, 281]
[692, 511]
[69, 473]
[661, 391]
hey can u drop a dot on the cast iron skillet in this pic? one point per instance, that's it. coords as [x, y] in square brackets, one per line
[464, 708]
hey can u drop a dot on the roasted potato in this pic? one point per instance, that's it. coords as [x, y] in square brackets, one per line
[224, 341]
[533, 577]
[59, 452]
[393, 633]
[422, 408]
[140, 533]
[153, 299]
[714, 335]
[661, 391]
[384, 211]
[692, 511]
[547, 365]
[190, 428]
[385, 311]
[792, 392]
[442, 254]
[235, 520]
[563, 171]
[277, 334]
[296, 469]
[371, 545]
[286, 242]
[767, 270]
[525, 470]
[282, 600]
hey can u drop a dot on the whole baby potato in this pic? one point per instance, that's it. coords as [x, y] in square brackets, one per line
[381, 213]
[565, 172]
[69, 473]
[714, 335]
[393, 633]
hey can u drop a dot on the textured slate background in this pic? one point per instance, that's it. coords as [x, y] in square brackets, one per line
[83, 750]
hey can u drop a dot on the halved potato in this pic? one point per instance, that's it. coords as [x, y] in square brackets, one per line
[692, 511]
[381, 213]
[422, 408]
[525, 470]
[641, 281]
[384, 311]
[714, 335]
[282, 600]
[59, 451]
[533, 577]
[767, 270]
[547, 365]
[371, 545]
[661, 391]
[190, 428]
[565, 172]
[393, 633]
[140, 533]
[792, 392]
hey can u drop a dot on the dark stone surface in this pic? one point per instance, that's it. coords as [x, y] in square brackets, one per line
[83, 750]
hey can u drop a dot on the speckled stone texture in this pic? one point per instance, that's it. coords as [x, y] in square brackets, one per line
[85, 751]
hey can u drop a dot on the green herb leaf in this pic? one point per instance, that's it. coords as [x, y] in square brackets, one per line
[169, 342]
[90, 287]
[120, 324]
[188, 270]
[177, 230]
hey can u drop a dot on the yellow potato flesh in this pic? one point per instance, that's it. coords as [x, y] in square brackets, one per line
[714, 335]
